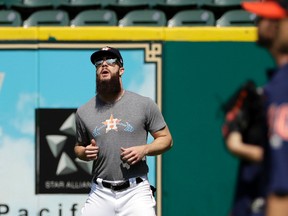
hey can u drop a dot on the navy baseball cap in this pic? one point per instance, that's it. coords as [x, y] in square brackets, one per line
[106, 51]
[271, 9]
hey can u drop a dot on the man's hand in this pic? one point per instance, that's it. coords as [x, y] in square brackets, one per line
[92, 150]
[133, 154]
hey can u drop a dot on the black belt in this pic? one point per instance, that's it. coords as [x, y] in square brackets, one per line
[119, 186]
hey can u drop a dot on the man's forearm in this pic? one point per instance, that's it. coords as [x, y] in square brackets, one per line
[162, 143]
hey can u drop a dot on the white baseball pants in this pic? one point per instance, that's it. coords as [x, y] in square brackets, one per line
[137, 200]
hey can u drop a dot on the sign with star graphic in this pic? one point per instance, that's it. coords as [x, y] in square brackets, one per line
[57, 168]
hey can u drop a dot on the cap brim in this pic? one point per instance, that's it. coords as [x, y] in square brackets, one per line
[270, 9]
[99, 54]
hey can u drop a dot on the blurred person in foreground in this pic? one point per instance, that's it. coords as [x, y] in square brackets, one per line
[276, 110]
[245, 128]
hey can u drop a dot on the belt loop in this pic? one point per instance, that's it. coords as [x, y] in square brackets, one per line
[144, 178]
[99, 181]
[132, 181]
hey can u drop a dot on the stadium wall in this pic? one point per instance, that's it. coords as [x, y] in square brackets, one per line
[194, 71]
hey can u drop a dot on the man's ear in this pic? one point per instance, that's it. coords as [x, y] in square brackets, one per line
[121, 71]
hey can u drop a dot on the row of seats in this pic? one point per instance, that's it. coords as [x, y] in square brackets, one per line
[121, 7]
[117, 3]
[145, 17]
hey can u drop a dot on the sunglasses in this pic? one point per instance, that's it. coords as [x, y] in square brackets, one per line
[110, 62]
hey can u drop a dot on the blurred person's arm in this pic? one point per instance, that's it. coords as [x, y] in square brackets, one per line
[277, 205]
[243, 150]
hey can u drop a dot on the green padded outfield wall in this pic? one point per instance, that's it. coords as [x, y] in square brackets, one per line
[201, 69]
[199, 174]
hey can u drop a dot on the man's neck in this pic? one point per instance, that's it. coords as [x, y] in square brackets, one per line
[109, 98]
[281, 59]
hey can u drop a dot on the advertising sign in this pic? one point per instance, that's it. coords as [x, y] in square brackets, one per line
[40, 90]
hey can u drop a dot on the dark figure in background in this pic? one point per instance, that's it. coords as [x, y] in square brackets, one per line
[244, 133]
[276, 110]
[245, 127]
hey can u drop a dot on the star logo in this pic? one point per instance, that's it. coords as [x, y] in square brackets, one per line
[58, 168]
[56, 144]
[111, 124]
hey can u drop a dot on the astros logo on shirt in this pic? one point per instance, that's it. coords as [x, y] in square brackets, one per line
[112, 124]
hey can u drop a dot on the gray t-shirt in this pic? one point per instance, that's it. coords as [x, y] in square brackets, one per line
[125, 123]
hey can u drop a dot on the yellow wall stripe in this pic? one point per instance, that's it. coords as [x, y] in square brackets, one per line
[128, 34]
[17, 33]
[211, 34]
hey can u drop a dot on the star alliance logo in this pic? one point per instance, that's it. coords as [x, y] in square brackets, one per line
[58, 170]
[56, 144]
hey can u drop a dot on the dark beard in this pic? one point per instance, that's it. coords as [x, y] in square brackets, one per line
[108, 87]
[283, 48]
[263, 42]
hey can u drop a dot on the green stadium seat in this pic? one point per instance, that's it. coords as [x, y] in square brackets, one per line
[48, 18]
[222, 3]
[37, 4]
[100, 17]
[137, 3]
[73, 7]
[171, 7]
[153, 4]
[122, 7]
[196, 17]
[10, 18]
[27, 7]
[179, 3]
[219, 7]
[2, 4]
[80, 3]
[146, 17]
[236, 18]
[9, 3]
[106, 3]
[132, 3]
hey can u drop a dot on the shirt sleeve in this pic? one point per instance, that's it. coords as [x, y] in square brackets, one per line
[81, 133]
[155, 119]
